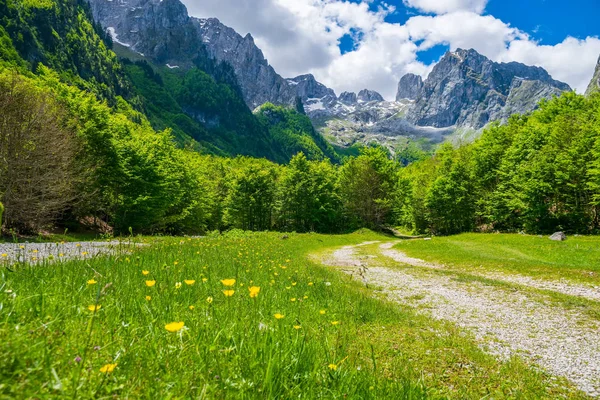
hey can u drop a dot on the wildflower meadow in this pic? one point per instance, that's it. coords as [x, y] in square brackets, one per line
[234, 316]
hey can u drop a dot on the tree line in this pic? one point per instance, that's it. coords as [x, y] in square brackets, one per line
[66, 157]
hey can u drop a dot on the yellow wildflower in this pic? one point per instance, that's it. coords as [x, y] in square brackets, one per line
[228, 293]
[279, 316]
[144, 272]
[189, 282]
[192, 308]
[335, 322]
[228, 282]
[296, 327]
[254, 291]
[4, 255]
[94, 308]
[310, 283]
[178, 285]
[174, 326]
[148, 298]
[204, 279]
[333, 367]
[293, 299]
[91, 282]
[322, 312]
[108, 368]
[209, 300]
[150, 283]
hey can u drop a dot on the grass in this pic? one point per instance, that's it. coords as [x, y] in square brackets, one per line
[577, 259]
[94, 329]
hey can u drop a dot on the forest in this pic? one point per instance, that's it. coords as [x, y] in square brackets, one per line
[87, 139]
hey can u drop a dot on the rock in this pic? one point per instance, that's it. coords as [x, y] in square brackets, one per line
[348, 98]
[466, 89]
[314, 94]
[409, 87]
[367, 96]
[595, 83]
[558, 237]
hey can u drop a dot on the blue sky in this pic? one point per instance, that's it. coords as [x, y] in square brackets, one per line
[351, 45]
[546, 21]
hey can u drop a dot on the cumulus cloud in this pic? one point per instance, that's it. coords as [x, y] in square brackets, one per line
[446, 6]
[303, 36]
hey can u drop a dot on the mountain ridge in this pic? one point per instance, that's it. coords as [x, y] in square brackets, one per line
[464, 91]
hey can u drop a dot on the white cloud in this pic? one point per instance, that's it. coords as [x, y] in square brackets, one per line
[446, 6]
[302, 36]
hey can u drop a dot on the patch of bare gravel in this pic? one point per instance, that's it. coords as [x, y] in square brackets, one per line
[39, 252]
[506, 323]
[590, 292]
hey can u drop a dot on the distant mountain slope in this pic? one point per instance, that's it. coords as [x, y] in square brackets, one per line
[62, 36]
[198, 76]
[466, 89]
[594, 86]
[464, 92]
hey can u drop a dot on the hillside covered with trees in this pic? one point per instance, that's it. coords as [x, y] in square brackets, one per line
[126, 145]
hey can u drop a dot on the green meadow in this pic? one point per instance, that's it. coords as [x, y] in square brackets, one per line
[234, 316]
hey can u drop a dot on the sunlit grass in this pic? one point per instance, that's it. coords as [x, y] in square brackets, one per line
[577, 259]
[236, 316]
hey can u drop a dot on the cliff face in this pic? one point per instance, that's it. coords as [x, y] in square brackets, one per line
[409, 87]
[163, 31]
[595, 83]
[466, 89]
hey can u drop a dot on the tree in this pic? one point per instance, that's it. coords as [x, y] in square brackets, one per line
[450, 200]
[307, 197]
[251, 195]
[367, 185]
[37, 152]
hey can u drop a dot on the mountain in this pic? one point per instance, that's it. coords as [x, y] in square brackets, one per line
[464, 92]
[162, 30]
[202, 80]
[409, 87]
[466, 89]
[595, 83]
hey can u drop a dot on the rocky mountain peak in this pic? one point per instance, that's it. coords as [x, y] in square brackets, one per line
[314, 94]
[466, 89]
[367, 96]
[594, 86]
[348, 98]
[409, 87]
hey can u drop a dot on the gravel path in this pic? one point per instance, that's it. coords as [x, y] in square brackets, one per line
[589, 292]
[39, 252]
[506, 323]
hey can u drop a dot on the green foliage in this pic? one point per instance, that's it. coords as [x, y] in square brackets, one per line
[251, 194]
[294, 132]
[367, 186]
[1, 214]
[60, 35]
[538, 173]
[308, 198]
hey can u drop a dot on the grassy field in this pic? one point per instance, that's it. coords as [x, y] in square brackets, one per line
[235, 316]
[577, 259]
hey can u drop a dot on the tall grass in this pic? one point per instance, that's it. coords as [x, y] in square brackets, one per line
[98, 328]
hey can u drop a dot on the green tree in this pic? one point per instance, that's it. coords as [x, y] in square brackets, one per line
[308, 198]
[251, 195]
[450, 201]
[367, 185]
